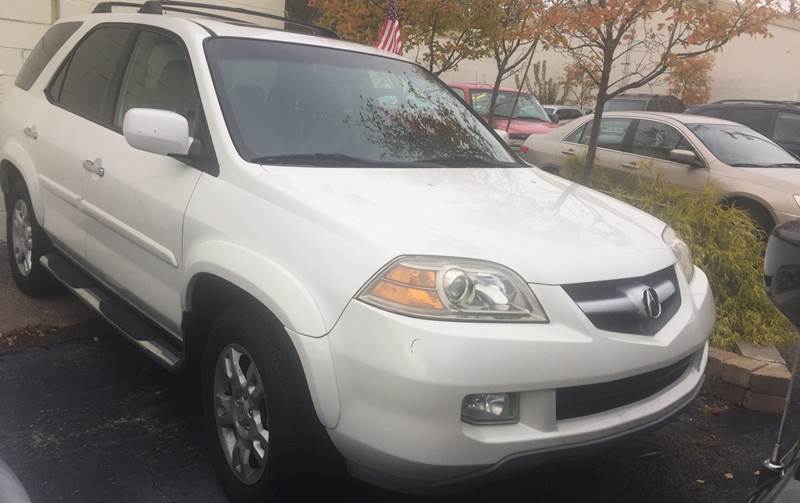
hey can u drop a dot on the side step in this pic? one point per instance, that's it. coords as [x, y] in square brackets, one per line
[142, 333]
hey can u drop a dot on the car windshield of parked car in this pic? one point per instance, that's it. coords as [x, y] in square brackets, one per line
[526, 108]
[623, 106]
[740, 146]
[312, 106]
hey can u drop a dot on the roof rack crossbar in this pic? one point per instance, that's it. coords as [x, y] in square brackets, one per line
[250, 12]
[105, 7]
[159, 6]
[209, 15]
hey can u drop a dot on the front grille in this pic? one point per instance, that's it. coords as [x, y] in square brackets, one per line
[618, 305]
[578, 401]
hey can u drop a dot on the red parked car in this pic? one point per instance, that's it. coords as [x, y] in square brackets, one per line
[529, 115]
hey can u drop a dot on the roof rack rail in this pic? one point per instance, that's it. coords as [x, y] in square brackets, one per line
[161, 6]
[774, 102]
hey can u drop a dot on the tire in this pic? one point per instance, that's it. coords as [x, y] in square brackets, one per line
[758, 214]
[26, 243]
[299, 450]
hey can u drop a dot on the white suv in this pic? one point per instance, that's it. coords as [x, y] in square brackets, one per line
[340, 253]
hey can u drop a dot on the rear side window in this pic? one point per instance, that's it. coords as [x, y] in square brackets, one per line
[754, 118]
[612, 133]
[44, 51]
[787, 127]
[86, 81]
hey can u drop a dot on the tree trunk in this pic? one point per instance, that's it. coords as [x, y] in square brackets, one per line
[497, 82]
[602, 92]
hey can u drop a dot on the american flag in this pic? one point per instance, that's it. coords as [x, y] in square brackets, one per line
[389, 38]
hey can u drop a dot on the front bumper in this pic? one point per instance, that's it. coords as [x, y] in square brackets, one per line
[401, 381]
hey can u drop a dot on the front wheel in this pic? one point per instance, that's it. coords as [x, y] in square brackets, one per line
[27, 242]
[263, 432]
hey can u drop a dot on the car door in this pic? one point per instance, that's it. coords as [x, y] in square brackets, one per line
[68, 127]
[787, 131]
[136, 208]
[610, 142]
[649, 154]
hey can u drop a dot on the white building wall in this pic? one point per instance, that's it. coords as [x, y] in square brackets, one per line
[747, 67]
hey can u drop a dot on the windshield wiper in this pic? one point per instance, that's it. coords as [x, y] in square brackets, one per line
[746, 165]
[785, 165]
[331, 159]
[465, 160]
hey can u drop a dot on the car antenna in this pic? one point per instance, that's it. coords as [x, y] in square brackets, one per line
[775, 464]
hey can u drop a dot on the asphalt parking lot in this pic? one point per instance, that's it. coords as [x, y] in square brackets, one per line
[85, 418]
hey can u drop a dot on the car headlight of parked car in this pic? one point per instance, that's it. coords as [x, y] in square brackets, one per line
[453, 289]
[681, 250]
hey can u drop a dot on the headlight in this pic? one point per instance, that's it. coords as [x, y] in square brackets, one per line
[681, 250]
[797, 199]
[453, 289]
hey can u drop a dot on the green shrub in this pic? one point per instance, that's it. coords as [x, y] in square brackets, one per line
[725, 243]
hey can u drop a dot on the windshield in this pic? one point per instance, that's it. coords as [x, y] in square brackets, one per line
[738, 145]
[623, 105]
[301, 105]
[528, 107]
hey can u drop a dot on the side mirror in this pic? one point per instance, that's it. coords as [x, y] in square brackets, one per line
[554, 118]
[685, 157]
[157, 131]
[782, 270]
[503, 134]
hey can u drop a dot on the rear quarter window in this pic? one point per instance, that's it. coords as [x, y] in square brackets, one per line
[44, 51]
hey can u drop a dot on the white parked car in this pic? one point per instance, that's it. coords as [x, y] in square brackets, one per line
[341, 271]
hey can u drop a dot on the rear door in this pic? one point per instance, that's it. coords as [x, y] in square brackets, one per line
[136, 208]
[649, 151]
[787, 131]
[610, 143]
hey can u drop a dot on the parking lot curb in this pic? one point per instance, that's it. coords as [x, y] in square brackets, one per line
[755, 379]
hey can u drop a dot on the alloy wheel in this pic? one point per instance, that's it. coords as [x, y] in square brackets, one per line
[240, 410]
[22, 237]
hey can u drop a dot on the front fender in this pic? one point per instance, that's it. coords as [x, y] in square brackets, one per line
[16, 154]
[274, 286]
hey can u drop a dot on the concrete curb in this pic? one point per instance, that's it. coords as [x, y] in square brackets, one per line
[756, 378]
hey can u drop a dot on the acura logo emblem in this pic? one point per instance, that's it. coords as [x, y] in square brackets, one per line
[652, 306]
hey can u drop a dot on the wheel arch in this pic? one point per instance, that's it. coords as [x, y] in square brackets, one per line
[209, 293]
[218, 271]
[16, 163]
[750, 200]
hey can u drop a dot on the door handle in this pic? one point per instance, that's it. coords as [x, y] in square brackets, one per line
[30, 132]
[95, 167]
[568, 152]
[630, 165]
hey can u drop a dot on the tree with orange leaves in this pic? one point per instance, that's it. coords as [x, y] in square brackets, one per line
[626, 44]
[690, 79]
[445, 31]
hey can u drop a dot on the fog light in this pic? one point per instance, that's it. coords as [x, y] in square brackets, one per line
[490, 408]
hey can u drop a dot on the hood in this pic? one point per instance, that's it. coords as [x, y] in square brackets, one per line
[547, 229]
[525, 126]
